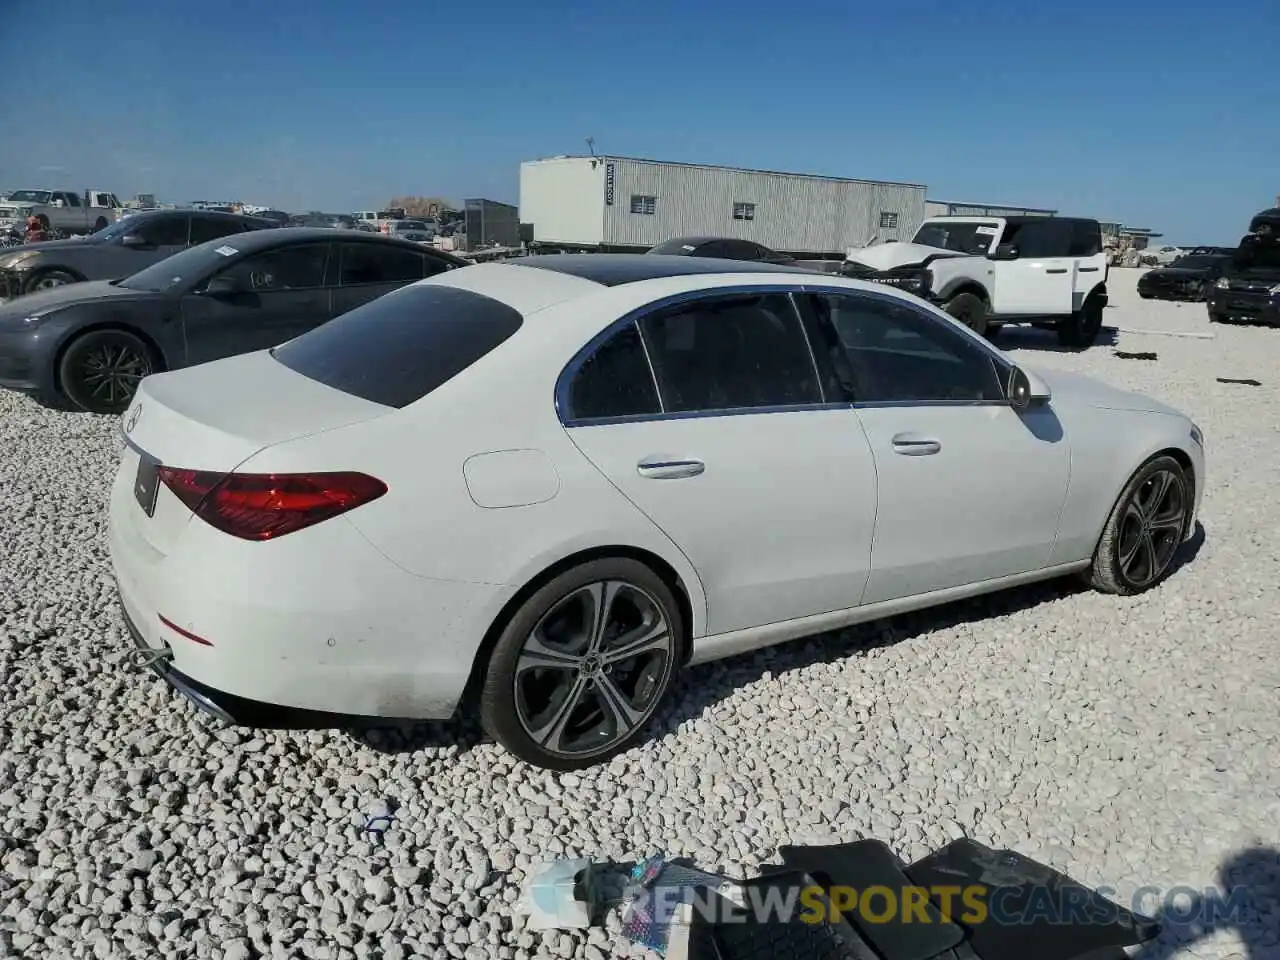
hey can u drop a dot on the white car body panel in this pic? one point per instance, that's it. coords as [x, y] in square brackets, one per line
[802, 520]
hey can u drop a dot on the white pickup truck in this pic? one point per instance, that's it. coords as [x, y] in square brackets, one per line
[991, 271]
[62, 211]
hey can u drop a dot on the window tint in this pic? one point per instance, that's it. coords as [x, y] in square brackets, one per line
[729, 353]
[743, 250]
[1086, 239]
[73, 199]
[434, 265]
[398, 348]
[1044, 237]
[164, 231]
[893, 353]
[288, 268]
[379, 263]
[615, 381]
[204, 229]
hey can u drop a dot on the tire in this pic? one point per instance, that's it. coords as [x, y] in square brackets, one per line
[1133, 556]
[43, 221]
[510, 707]
[970, 310]
[100, 371]
[48, 279]
[1081, 329]
[1215, 317]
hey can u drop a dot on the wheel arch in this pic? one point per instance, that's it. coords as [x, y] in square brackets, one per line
[668, 574]
[57, 268]
[157, 354]
[1183, 459]
[965, 285]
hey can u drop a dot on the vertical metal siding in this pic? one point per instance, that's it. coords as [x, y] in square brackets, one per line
[793, 213]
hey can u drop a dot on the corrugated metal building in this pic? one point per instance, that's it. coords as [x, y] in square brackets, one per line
[622, 203]
[947, 208]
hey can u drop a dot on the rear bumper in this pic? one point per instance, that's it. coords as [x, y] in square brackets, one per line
[324, 625]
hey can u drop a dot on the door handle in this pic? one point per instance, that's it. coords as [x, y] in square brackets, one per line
[1056, 270]
[656, 469]
[1088, 269]
[914, 445]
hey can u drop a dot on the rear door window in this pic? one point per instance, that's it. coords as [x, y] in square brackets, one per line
[364, 263]
[204, 229]
[1041, 238]
[165, 231]
[615, 381]
[728, 353]
[398, 348]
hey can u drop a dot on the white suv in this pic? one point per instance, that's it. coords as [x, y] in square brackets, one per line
[990, 271]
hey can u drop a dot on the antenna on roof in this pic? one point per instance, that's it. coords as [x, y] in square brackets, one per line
[591, 145]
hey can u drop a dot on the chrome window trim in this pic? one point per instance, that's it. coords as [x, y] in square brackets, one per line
[792, 290]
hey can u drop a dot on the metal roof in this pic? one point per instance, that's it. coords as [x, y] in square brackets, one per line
[716, 166]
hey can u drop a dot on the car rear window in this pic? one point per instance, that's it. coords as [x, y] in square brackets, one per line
[398, 348]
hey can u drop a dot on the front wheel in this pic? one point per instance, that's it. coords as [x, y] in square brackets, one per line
[582, 666]
[1216, 317]
[1081, 329]
[970, 310]
[101, 370]
[1144, 530]
[48, 279]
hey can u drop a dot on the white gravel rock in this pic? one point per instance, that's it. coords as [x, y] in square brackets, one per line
[1127, 741]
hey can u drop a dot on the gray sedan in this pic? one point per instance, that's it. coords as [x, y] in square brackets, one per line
[118, 250]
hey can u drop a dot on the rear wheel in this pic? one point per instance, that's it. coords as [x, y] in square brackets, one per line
[970, 310]
[101, 370]
[48, 279]
[1216, 317]
[582, 666]
[1081, 329]
[1144, 530]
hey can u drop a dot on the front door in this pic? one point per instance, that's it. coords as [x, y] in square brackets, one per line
[968, 488]
[1042, 280]
[767, 491]
[280, 294]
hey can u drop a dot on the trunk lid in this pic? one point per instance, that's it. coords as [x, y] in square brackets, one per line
[214, 417]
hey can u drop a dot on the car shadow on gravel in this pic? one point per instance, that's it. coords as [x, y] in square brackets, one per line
[699, 687]
[1030, 338]
[1247, 905]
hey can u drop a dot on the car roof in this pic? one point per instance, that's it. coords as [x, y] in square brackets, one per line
[260, 239]
[614, 269]
[185, 211]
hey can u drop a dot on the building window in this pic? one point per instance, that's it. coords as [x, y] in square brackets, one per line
[888, 221]
[644, 204]
[744, 211]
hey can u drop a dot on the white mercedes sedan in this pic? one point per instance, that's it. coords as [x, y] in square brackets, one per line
[541, 487]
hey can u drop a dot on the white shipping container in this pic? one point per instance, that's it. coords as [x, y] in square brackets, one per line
[621, 202]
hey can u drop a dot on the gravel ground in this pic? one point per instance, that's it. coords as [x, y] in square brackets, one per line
[1126, 741]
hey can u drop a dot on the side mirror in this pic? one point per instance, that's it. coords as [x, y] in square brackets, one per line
[134, 241]
[223, 286]
[59, 204]
[1005, 251]
[1025, 389]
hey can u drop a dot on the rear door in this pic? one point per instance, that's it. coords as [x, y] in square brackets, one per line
[1042, 280]
[736, 456]
[1089, 257]
[367, 270]
[283, 294]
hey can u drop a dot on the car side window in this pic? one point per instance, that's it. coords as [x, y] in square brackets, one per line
[728, 353]
[288, 268]
[164, 231]
[379, 263]
[615, 380]
[204, 229]
[73, 199]
[434, 265]
[896, 353]
[1040, 238]
[1086, 239]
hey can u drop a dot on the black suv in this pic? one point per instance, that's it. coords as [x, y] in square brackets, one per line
[1249, 288]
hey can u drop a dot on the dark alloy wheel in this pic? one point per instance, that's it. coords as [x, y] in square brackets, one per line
[1144, 530]
[101, 370]
[583, 664]
[48, 279]
[969, 309]
[1081, 329]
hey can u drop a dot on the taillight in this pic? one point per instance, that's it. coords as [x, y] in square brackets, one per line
[263, 506]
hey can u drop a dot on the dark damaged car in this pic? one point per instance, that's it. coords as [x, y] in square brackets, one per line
[1249, 289]
[88, 345]
[1187, 278]
[116, 251]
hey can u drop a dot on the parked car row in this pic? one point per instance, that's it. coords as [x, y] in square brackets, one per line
[1249, 289]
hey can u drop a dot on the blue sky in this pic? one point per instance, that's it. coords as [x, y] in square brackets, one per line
[1157, 115]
